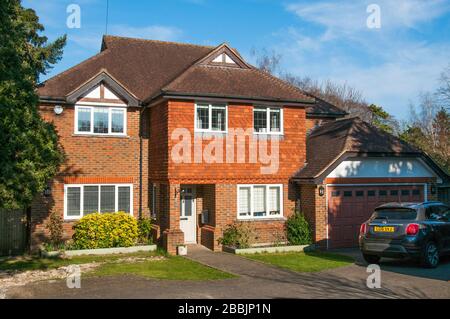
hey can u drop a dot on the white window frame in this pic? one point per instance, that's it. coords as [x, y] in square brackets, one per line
[268, 216]
[81, 186]
[110, 109]
[267, 109]
[210, 108]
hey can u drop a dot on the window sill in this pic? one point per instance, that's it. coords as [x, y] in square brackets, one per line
[268, 136]
[100, 135]
[208, 134]
[266, 219]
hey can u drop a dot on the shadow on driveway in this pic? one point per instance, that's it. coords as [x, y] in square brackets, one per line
[403, 266]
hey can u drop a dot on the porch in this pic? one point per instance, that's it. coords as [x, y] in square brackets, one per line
[198, 214]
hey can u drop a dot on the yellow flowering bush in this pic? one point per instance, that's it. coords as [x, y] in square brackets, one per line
[105, 230]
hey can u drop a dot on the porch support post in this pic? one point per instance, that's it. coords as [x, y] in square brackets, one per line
[173, 236]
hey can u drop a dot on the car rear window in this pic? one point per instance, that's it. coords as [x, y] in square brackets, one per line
[395, 213]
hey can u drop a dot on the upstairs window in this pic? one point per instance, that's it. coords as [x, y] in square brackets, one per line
[210, 117]
[268, 120]
[100, 120]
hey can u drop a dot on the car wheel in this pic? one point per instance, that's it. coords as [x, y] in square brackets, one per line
[430, 255]
[371, 259]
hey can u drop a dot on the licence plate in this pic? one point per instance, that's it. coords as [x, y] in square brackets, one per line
[384, 229]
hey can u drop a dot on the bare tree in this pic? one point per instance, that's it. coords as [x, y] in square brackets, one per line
[267, 61]
[343, 96]
[444, 90]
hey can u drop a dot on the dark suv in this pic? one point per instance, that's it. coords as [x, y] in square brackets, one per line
[417, 230]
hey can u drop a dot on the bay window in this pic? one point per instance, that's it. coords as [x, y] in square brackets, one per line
[81, 200]
[260, 201]
[100, 120]
[210, 117]
[267, 120]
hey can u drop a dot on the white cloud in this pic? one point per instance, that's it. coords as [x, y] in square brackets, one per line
[391, 66]
[348, 17]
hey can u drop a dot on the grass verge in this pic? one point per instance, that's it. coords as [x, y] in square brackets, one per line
[304, 262]
[169, 267]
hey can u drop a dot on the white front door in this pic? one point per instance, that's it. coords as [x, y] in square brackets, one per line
[188, 222]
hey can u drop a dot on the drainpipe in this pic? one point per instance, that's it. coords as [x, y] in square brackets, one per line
[141, 131]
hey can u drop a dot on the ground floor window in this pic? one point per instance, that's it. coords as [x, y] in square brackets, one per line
[260, 201]
[81, 200]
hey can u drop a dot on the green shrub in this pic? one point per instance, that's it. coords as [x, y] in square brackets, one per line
[105, 230]
[55, 230]
[298, 231]
[145, 230]
[238, 234]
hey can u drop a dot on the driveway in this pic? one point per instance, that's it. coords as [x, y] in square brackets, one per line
[257, 280]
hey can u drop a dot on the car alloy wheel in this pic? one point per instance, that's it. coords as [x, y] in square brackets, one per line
[432, 254]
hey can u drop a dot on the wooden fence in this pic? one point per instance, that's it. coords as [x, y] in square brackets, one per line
[13, 231]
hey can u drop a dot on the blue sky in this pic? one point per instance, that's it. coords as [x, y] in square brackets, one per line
[322, 39]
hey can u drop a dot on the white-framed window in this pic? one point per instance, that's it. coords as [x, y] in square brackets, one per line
[100, 120]
[83, 199]
[267, 120]
[259, 201]
[211, 117]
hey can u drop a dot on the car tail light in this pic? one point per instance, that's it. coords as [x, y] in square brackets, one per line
[412, 229]
[363, 229]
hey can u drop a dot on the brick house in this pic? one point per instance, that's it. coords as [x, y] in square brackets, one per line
[196, 138]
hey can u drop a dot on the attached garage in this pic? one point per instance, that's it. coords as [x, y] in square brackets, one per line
[353, 167]
[350, 206]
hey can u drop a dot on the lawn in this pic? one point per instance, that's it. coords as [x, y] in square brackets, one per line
[304, 262]
[141, 264]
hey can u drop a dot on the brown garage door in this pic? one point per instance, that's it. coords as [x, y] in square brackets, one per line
[350, 206]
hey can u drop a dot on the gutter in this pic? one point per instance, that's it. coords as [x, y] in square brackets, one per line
[229, 98]
[325, 115]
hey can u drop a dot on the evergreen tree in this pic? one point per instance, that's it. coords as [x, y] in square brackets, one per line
[29, 152]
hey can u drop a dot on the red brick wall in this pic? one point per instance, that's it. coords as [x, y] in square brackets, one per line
[91, 159]
[158, 143]
[291, 146]
[216, 183]
[225, 213]
[314, 207]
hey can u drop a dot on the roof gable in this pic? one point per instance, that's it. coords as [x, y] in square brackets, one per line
[91, 85]
[224, 56]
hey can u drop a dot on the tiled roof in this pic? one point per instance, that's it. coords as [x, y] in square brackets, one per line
[329, 141]
[147, 68]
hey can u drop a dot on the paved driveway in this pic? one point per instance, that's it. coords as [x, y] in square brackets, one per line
[256, 280]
